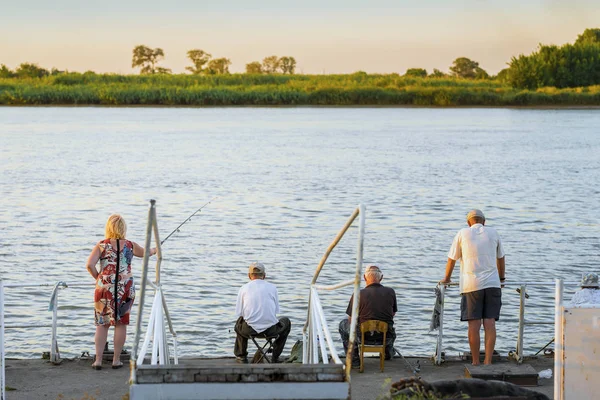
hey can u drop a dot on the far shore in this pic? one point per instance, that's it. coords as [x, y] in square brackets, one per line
[363, 106]
[243, 90]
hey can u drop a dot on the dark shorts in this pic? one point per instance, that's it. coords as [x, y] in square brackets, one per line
[481, 304]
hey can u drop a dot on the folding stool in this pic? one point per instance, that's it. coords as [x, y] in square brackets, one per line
[263, 349]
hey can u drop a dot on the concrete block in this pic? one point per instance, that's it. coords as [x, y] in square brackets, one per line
[149, 379]
[179, 376]
[249, 378]
[327, 377]
[301, 377]
[216, 378]
[232, 377]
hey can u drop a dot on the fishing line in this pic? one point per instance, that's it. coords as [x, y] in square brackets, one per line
[187, 220]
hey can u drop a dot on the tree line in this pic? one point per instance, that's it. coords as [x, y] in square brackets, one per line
[570, 65]
[146, 59]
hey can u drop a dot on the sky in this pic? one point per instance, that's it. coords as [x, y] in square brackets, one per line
[336, 36]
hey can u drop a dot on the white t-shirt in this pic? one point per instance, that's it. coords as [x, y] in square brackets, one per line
[586, 296]
[258, 303]
[477, 247]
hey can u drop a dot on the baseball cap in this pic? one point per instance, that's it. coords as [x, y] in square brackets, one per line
[256, 268]
[475, 213]
[590, 280]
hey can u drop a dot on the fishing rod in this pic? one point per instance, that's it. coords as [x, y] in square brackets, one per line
[187, 219]
[416, 369]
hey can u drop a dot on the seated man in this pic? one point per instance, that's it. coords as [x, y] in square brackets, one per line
[257, 307]
[375, 302]
[589, 292]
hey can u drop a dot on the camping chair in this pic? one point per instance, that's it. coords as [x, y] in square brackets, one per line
[263, 349]
[372, 325]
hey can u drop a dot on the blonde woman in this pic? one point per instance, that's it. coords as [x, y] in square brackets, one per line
[115, 254]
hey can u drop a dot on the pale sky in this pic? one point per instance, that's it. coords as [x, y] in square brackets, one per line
[337, 36]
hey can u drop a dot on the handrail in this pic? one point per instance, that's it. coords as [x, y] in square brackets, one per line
[518, 354]
[2, 375]
[159, 311]
[558, 334]
[315, 328]
[334, 243]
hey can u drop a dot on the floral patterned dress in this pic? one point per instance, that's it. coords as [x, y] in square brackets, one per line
[106, 311]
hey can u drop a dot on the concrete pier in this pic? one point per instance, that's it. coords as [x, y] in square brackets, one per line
[75, 379]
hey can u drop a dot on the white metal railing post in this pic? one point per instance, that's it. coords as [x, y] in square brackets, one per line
[2, 375]
[54, 357]
[520, 332]
[315, 333]
[356, 301]
[559, 342]
[138, 324]
[438, 350]
[307, 336]
[156, 329]
[326, 333]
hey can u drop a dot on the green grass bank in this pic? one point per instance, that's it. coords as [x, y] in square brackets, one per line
[281, 90]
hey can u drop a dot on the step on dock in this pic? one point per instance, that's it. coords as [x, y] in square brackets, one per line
[238, 381]
[523, 375]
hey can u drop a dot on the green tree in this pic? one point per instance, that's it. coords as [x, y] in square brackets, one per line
[146, 59]
[5, 72]
[29, 70]
[437, 74]
[199, 58]
[270, 65]
[164, 71]
[287, 65]
[218, 66]
[465, 68]
[481, 73]
[416, 72]
[502, 75]
[569, 65]
[254, 68]
[589, 36]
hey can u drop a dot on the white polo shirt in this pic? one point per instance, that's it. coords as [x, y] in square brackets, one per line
[586, 296]
[477, 248]
[258, 303]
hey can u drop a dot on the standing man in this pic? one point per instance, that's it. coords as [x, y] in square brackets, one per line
[481, 279]
[257, 307]
[375, 302]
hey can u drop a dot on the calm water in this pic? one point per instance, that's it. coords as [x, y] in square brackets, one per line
[287, 179]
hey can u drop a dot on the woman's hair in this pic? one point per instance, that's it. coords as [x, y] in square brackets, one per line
[116, 228]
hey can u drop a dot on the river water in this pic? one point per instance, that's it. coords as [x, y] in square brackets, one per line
[286, 180]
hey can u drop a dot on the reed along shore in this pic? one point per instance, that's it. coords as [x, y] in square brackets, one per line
[358, 89]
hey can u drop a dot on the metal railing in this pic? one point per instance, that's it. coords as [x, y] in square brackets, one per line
[156, 330]
[53, 306]
[2, 375]
[316, 329]
[518, 354]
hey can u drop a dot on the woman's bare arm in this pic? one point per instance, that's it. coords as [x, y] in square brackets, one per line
[138, 250]
[93, 260]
